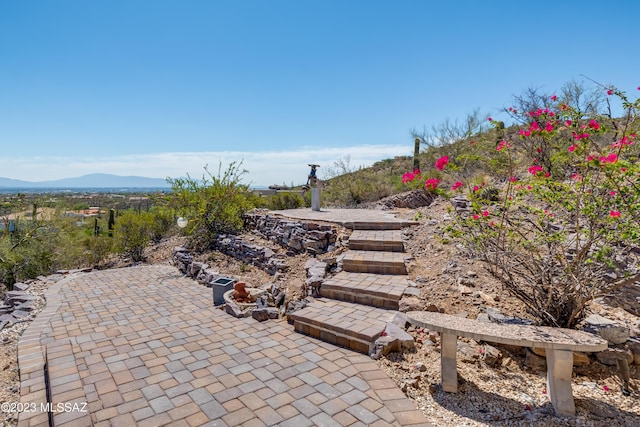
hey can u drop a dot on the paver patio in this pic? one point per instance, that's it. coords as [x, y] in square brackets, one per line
[144, 346]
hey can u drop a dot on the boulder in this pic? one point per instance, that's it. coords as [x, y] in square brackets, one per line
[634, 347]
[607, 329]
[611, 356]
[535, 361]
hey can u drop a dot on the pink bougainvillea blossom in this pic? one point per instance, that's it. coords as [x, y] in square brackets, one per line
[594, 125]
[548, 127]
[457, 185]
[572, 148]
[624, 142]
[533, 170]
[502, 145]
[513, 179]
[576, 177]
[612, 193]
[408, 177]
[485, 214]
[431, 183]
[553, 97]
[609, 92]
[442, 162]
[568, 122]
[611, 158]
[614, 214]
[475, 188]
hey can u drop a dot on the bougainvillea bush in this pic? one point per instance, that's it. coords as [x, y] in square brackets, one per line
[561, 224]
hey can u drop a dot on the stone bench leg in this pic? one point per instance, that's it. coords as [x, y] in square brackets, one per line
[559, 369]
[448, 348]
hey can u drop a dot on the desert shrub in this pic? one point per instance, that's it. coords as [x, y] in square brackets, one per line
[97, 249]
[132, 233]
[213, 205]
[286, 200]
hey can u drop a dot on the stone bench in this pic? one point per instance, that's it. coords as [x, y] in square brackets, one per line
[559, 344]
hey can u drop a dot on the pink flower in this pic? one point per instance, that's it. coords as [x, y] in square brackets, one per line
[475, 188]
[611, 158]
[502, 144]
[568, 122]
[529, 187]
[513, 179]
[431, 183]
[623, 170]
[590, 158]
[576, 177]
[605, 388]
[534, 126]
[475, 216]
[572, 148]
[490, 119]
[408, 177]
[609, 92]
[442, 162]
[614, 214]
[492, 224]
[594, 125]
[533, 170]
[612, 193]
[553, 98]
[544, 391]
[485, 214]
[539, 150]
[457, 185]
[548, 127]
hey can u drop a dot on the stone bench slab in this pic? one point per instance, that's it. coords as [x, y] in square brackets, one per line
[559, 344]
[518, 335]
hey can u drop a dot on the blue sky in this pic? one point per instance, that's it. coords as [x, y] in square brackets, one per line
[162, 88]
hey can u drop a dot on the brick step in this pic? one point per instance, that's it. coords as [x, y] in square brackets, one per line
[372, 225]
[377, 290]
[374, 262]
[342, 323]
[376, 240]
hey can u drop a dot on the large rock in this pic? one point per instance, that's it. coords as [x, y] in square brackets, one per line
[611, 356]
[607, 329]
[634, 347]
[579, 358]
[393, 339]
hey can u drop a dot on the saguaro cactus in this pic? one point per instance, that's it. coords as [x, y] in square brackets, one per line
[112, 221]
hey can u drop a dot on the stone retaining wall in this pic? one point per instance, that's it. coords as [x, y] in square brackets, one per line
[295, 236]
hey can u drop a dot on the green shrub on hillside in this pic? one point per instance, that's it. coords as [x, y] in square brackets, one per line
[286, 200]
[133, 232]
[213, 205]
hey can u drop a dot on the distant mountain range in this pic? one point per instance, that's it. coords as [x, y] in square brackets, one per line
[94, 180]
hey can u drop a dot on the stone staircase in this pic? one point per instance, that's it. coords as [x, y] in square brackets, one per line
[358, 302]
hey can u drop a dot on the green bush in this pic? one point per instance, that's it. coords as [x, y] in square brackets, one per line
[133, 232]
[286, 200]
[213, 205]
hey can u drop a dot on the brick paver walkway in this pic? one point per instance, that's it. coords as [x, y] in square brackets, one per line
[144, 346]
